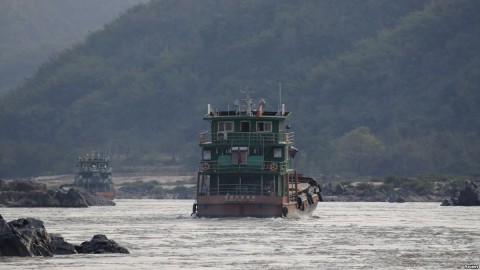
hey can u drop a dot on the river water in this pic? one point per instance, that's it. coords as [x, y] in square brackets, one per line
[160, 234]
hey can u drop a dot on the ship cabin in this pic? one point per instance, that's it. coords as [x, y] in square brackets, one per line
[248, 152]
[94, 173]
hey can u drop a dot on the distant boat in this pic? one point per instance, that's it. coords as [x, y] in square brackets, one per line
[246, 166]
[94, 173]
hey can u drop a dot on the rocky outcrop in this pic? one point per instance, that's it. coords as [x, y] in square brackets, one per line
[28, 237]
[72, 198]
[30, 193]
[24, 237]
[415, 191]
[94, 200]
[100, 244]
[468, 196]
[59, 246]
[377, 192]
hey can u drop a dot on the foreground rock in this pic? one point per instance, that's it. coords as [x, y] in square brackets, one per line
[468, 196]
[100, 244]
[28, 237]
[24, 237]
[59, 246]
[30, 193]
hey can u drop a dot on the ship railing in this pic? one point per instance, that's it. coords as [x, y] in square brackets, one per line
[240, 189]
[246, 137]
[96, 159]
[102, 170]
[267, 166]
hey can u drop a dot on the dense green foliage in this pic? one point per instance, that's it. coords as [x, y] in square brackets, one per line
[376, 87]
[33, 30]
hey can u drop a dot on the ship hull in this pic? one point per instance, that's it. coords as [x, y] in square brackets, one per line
[252, 206]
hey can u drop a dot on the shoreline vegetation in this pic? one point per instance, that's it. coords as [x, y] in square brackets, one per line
[424, 188]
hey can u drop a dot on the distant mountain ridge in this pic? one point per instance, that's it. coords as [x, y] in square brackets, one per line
[375, 87]
[31, 31]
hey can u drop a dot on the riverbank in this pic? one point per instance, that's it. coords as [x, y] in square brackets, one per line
[382, 192]
[183, 186]
[45, 191]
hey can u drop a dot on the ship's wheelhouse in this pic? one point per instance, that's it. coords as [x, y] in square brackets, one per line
[246, 152]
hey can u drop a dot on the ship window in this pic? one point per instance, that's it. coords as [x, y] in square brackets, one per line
[207, 154]
[101, 165]
[264, 126]
[84, 165]
[277, 152]
[239, 155]
[225, 126]
[245, 126]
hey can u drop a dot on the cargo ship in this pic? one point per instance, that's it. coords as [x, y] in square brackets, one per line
[94, 173]
[246, 165]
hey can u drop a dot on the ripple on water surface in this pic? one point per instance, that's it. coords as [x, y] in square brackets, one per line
[161, 234]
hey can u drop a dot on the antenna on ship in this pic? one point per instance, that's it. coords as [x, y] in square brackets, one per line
[248, 100]
[281, 107]
[280, 93]
[236, 103]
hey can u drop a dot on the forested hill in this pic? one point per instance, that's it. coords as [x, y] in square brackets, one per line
[32, 30]
[376, 87]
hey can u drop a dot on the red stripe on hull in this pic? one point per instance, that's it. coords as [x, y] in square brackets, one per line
[107, 195]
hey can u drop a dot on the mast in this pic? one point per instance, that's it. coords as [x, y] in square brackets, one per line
[248, 101]
[280, 93]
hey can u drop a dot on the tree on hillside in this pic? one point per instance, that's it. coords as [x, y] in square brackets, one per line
[375, 87]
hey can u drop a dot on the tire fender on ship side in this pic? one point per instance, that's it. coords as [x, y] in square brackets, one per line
[284, 211]
[300, 203]
[205, 166]
[309, 199]
[273, 166]
[194, 209]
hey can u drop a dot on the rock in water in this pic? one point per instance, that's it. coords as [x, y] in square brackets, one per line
[24, 237]
[30, 193]
[36, 199]
[73, 198]
[27, 185]
[28, 237]
[101, 244]
[10, 242]
[95, 200]
[79, 197]
[446, 202]
[59, 246]
[469, 196]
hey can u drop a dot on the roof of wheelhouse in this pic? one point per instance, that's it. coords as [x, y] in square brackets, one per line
[248, 110]
[234, 114]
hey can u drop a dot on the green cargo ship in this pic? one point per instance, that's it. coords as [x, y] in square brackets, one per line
[94, 173]
[246, 165]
